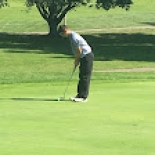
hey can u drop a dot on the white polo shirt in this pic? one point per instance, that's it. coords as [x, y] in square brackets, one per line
[78, 41]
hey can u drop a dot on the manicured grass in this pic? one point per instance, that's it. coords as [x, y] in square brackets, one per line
[34, 70]
[117, 120]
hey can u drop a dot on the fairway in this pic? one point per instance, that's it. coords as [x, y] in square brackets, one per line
[117, 120]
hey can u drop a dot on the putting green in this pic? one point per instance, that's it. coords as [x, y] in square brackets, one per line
[118, 119]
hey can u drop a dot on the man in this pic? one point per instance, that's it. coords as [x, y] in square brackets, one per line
[83, 58]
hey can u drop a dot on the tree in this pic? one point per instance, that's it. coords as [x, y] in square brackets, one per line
[3, 3]
[53, 11]
[108, 4]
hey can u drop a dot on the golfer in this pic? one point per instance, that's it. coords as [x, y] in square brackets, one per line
[83, 58]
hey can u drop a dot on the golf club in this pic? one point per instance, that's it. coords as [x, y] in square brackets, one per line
[63, 98]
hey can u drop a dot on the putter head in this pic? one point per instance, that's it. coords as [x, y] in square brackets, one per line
[61, 99]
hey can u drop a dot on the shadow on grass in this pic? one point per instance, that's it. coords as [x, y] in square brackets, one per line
[124, 46]
[34, 99]
[106, 47]
[149, 23]
[33, 43]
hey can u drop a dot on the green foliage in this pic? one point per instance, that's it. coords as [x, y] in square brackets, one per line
[108, 4]
[3, 3]
[57, 3]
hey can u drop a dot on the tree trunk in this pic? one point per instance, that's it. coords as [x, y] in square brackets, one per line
[53, 28]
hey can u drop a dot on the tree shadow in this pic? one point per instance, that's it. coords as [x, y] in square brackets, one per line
[32, 43]
[34, 99]
[149, 23]
[123, 46]
[106, 46]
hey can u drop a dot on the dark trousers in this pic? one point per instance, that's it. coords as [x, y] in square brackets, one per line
[85, 71]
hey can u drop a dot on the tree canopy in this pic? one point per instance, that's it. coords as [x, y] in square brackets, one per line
[3, 3]
[108, 4]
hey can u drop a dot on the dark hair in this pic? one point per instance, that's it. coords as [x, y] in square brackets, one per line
[62, 28]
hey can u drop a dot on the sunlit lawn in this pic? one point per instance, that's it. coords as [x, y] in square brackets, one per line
[118, 118]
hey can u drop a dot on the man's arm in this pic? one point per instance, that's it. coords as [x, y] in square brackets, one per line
[77, 56]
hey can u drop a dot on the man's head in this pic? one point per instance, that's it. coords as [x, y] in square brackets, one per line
[64, 31]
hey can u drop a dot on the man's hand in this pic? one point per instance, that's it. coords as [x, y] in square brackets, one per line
[76, 63]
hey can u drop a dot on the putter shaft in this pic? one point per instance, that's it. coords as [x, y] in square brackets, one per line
[69, 82]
